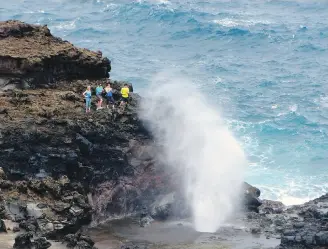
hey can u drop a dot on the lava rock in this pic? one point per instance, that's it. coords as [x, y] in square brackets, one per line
[76, 211]
[85, 146]
[61, 207]
[251, 197]
[70, 240]
[321, 238]
[3, 227]
[23, 241]
[82, 245]
[87, 239]
[41, 243]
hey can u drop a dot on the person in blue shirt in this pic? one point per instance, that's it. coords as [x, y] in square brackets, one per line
[109, 96]
[99, 91]
[87, 96]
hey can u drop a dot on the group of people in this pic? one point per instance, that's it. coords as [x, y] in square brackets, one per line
[106, 92]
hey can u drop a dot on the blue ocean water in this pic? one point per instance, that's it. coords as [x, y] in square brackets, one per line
[263, 63]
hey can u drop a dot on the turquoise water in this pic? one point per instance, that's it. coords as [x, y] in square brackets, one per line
[263, 64]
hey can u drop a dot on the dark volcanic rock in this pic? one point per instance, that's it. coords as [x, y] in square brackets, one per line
[23, 241]
[31, 56]
[3, 226]
[41, 243]
[251, 197]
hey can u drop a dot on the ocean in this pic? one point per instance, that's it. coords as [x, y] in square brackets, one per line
[263, 64]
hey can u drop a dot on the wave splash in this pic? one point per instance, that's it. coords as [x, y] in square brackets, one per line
[198, 146]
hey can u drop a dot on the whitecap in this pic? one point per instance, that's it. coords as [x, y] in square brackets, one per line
[228, 22]
[68, 25]
[293, 108]
[324, 101]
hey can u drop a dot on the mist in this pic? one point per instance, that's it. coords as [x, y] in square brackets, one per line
[198, 147]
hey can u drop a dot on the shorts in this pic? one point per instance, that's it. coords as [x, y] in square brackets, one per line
[125, 99]
[99, 97]
[110, 99]
[88, 102]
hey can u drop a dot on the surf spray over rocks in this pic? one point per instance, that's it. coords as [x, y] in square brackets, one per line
[62, 168]
[198, 146]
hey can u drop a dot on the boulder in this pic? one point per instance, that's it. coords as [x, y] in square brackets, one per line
[41, 243]
[61, 206]
[3, 175]
[76, 211]
[70, 240]
[23, 241]
[85, 146]
[162, 208]
[2, 227]
[82, 245]
[87, 239]
[251, 197]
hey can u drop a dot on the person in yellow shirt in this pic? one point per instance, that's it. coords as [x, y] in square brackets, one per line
[125, 94]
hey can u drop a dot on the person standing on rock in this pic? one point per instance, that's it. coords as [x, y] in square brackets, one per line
[125, 94]
[109, 95]
[99, 91]
[87, 96]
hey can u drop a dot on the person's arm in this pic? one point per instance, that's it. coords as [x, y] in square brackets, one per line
[84, 93]
[122, 90]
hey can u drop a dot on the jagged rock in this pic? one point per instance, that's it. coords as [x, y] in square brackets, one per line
[23, 241]
[85, 145]
[255, 230]
[58, 226]
[3, 175]
[61, 206]
[42, 205]
[31, 56]
[271, 207]
[145, 221]
[45, 226]
[29, 225]
[87, 239]
[75, 211]
[41, 243]
[52, 186]
[64, 180]
[251, 197]
[3, 227]
[5, 184]
[16, 229]
[82, 245]
[70, 240]
[162, 208]
[131, 245]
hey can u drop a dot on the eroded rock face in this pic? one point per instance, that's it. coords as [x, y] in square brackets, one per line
[31, 57]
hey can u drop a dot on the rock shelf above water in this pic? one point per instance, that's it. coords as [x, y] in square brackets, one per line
[31, 56]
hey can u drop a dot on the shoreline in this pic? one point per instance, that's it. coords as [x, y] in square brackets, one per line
[86, 160]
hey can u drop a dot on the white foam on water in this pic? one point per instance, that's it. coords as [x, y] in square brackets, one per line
[198, 146]
[230, 22]
[293, 108]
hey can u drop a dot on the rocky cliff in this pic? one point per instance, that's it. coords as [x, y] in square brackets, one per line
[30, 57]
